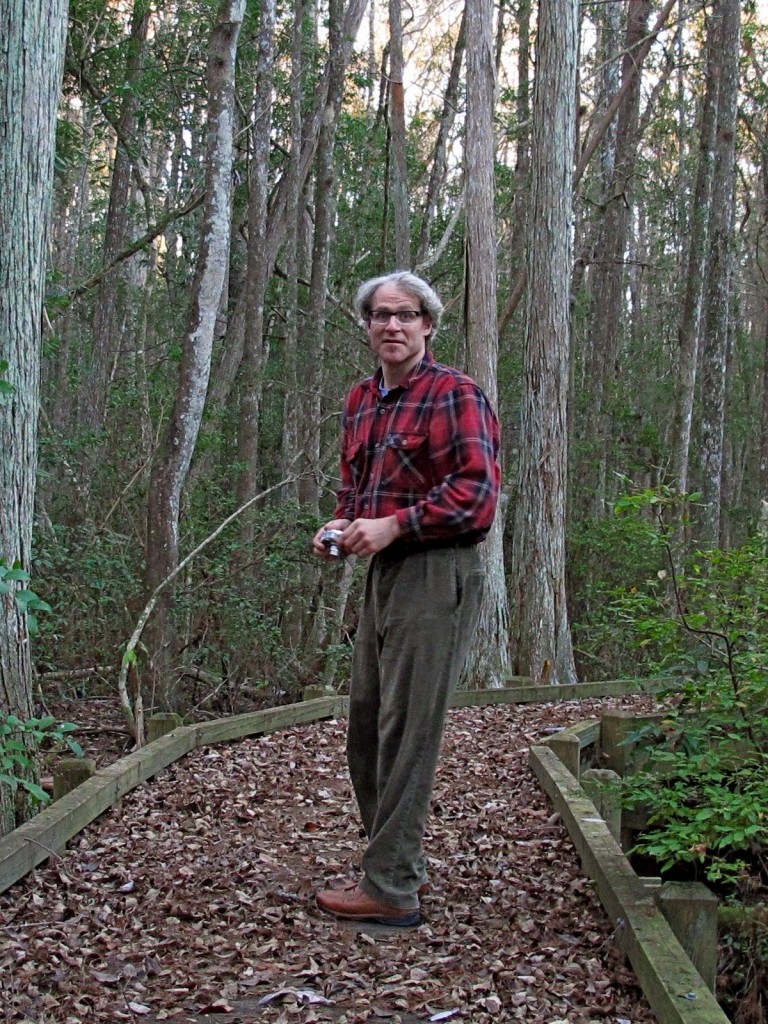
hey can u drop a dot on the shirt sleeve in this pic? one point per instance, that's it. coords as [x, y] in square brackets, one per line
[346, 495]
[464, 448]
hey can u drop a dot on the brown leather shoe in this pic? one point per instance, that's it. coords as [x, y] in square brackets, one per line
[352, 904]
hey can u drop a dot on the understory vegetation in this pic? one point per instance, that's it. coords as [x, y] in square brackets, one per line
[700, 769]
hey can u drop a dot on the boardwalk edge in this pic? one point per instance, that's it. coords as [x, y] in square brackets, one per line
[47, 833]
[673, 987]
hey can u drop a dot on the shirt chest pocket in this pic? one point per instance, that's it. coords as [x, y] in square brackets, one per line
[405, 461]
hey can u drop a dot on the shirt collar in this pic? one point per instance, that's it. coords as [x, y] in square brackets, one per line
[374, 383]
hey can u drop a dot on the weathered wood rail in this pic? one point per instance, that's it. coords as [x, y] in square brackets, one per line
[676, 991]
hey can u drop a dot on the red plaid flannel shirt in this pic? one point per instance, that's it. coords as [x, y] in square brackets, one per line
[427, 452]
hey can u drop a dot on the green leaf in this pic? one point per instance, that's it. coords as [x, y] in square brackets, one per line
[24, 598]
[16, 574]
[37, 792]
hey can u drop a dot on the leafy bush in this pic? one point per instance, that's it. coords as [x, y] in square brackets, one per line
[19, 740]
[27, 601]
[705, 778]
[610, 560]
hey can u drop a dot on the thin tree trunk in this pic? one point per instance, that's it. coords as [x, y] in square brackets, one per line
[257, 276]
[762, 269]
[690, 316]
[111, 303]
[399, 163]
[447, 118]
[488, 664]
[718, 298]
[541, 632]
[172, 464]
[608, 274]
[312, 333]
[292, 399]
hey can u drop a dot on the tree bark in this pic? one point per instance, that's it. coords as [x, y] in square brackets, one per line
[312, 333]
[32, 38]
[172, 464]
[690, 315]
[294, 190]
[488, 664]
[719, 285]
[398, 141]
[112, 304]
[258, 272]
[541, 633]
[447, 118]
[608, 272]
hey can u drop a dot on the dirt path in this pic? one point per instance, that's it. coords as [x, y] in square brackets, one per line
[193, 901]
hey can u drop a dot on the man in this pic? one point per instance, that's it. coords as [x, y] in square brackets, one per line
[420, 482]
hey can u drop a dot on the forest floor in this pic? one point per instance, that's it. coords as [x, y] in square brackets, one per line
[193, 900]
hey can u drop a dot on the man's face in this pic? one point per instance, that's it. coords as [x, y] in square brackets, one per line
[399, 346]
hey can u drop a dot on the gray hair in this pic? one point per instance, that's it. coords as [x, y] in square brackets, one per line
[423, 293]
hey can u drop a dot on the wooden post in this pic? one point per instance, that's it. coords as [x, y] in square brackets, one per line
[603, 787]
[161, 724]
[317, 690]
[69, 773]
[615, 726]
[616, 752]
[691, 912]
[568, 748]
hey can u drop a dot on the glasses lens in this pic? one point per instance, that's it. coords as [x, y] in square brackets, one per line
[403, 316]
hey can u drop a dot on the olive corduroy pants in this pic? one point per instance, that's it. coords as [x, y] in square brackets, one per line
[418, 617]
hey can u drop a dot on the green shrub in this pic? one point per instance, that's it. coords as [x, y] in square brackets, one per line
[705, 779]
[19, 741]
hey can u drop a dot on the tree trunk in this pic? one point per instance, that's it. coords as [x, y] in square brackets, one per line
[690, 315]
[608, 272]
[32, 38]
[172, 464]
[399, 163]
[763, 320]
[541, 632]
[447, 118]
[312, 334]
[112, 303]
[257, 275]
[295, 188]
[718, 298]
[488, 664]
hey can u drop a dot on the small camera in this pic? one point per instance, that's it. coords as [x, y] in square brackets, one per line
[331, 540]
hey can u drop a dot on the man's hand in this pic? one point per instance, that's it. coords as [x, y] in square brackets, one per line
[334, 524]
[367, 536]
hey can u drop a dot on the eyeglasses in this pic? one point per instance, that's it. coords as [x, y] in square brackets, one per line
[403, 316]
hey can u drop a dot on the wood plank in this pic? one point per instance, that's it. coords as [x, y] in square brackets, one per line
[675, 990]
[531, 694]
[255, 723]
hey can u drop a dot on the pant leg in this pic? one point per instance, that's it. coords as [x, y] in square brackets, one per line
[425, 606]
[364, 699]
